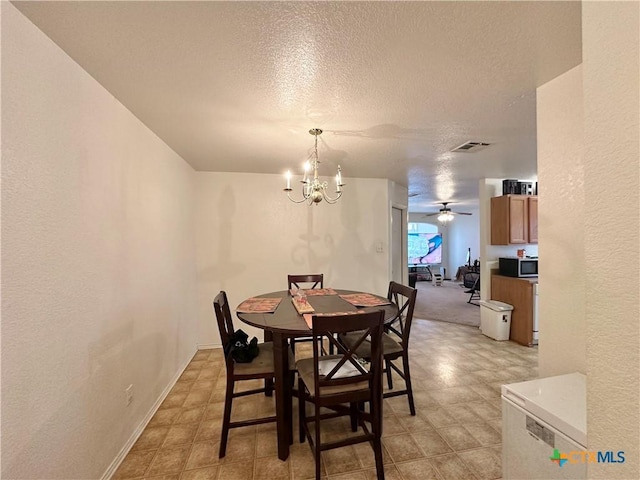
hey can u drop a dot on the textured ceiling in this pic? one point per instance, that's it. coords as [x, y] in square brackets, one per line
[235, 86]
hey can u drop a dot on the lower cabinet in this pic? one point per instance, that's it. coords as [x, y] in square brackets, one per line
[519, 293]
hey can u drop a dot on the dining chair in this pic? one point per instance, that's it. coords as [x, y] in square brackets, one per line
[330, 382]
[261, 367]
[310, 281]
[472, 282]
[315, 279]
[395, 340]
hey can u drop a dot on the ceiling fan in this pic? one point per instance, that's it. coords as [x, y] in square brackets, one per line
[445, 214]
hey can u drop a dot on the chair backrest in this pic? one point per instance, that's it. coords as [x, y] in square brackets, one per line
[369, 326]
[316, 279]
[471, 280]
[405, 298]
[224, 318]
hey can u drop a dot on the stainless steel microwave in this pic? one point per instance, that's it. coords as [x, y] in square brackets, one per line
[518, 267]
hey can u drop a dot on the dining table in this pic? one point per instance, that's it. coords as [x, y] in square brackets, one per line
[284, 322]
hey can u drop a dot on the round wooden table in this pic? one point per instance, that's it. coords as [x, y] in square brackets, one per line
[286, 323]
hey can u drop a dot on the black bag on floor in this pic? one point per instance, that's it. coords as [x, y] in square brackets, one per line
[241, 350]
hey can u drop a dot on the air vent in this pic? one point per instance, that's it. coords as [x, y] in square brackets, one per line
[470, 147]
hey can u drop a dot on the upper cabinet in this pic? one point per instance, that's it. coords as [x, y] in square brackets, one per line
[532, 205]
[514, 219]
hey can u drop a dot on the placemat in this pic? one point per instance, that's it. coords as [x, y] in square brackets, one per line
[364, 300]
[259, 305]
[309, 292]
[302, 305]
[308, 316]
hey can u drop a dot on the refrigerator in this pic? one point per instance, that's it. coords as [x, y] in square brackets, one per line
[543, 422]
[535, 315]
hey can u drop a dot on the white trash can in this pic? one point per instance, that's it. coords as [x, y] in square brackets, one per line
[495, 319]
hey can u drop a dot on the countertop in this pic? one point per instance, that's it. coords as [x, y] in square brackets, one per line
[526, 279]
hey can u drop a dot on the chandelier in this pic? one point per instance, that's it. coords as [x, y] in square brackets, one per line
[313, 190]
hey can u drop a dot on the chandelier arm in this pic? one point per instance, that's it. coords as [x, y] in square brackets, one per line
[331, 200]
[304, 198]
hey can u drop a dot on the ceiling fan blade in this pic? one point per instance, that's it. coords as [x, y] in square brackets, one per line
[431, 214]
[462, 213]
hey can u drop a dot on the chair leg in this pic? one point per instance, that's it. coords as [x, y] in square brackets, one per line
[316, 447]
[268, 387]
[389, 381]
[354, 416]
[377, 452]
[407, 380]
[376, 426]
[301, 410]
[226, 419]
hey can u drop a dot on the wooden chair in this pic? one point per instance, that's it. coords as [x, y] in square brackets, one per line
[395, 340]
[260, 368]
[330, 381]
[314, 280]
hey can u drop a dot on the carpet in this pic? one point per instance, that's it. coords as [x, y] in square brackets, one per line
[447, 303]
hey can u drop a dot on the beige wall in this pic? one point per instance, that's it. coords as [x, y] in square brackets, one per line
[561, 218]
[588, 124]
[98, 264]
[611, 82]
[247, 244]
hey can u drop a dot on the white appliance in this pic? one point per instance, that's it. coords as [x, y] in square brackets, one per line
[535, 314]
[539, 417]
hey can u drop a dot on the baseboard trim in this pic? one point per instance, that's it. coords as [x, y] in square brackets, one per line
[207, 346]
[143, 424]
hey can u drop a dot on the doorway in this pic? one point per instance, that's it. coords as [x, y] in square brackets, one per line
[398, 257]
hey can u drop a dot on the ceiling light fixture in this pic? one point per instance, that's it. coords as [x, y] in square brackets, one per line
[445, 217]
[313, 190]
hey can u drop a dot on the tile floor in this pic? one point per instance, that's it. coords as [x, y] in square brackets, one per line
[456, 434]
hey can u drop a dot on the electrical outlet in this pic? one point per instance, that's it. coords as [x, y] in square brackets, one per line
[129, 394]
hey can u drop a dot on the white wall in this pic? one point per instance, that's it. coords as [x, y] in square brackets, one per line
[98, 265]
[463, 233]
[611, 64]
[399, 198]
[561, 218]
[247, 244]
[588, 125]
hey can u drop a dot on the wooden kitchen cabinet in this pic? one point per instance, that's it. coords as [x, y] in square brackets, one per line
[532, 205]
[514, 219]
[519, 293]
